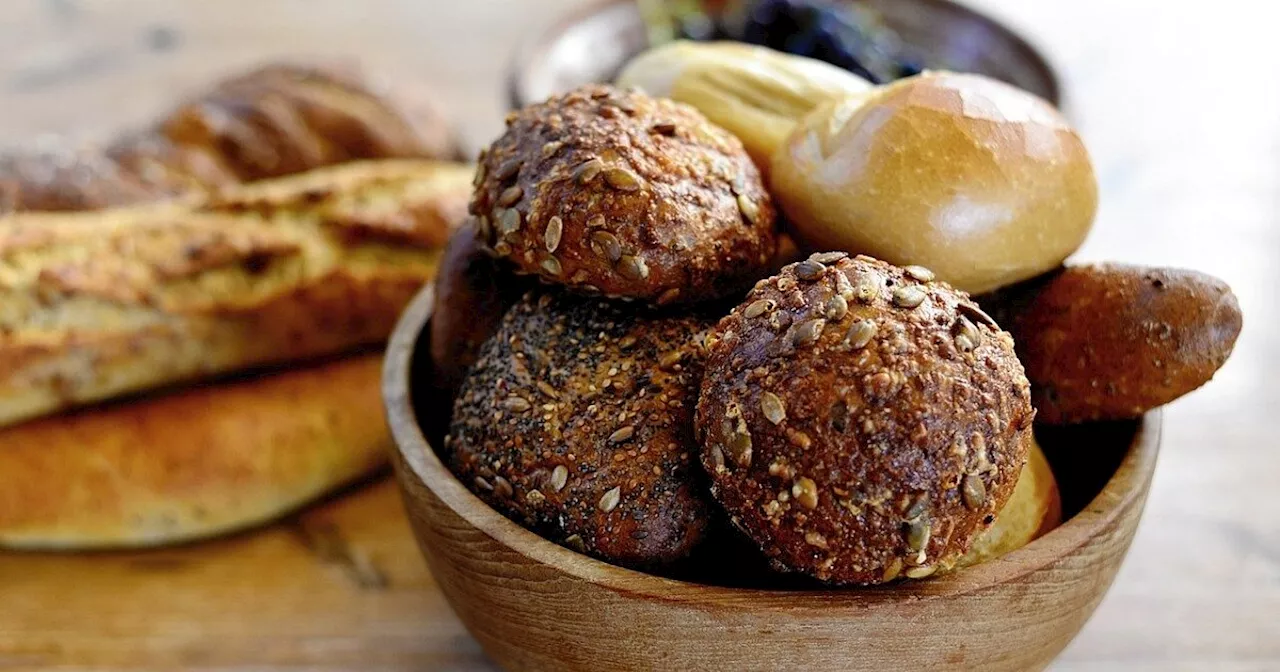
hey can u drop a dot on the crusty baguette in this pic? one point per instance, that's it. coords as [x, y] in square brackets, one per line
[99, 304]
[277, 120]
[193, 463]
[1113, 341]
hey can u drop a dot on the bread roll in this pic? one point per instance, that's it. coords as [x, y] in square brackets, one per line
[606, 191]
[277, 120]
[473, 291]
[983, 183]
[1034, 508]
[1113, 341]
[756, 93]
[190, 464]
[96, 305]
[577, 421]
[861, 422]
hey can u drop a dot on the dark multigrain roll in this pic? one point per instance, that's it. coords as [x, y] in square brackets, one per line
[1113, 341]
[473, 290]
[577, 422]
[860, 421]
[609, 191]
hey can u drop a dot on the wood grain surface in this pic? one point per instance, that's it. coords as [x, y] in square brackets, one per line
[1176, 99]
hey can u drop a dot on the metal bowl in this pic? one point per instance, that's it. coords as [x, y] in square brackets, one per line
[592, 44]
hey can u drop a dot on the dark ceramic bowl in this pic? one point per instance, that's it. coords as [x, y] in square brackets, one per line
[594, 43]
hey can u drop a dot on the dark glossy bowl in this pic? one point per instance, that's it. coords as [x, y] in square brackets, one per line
[592, 44]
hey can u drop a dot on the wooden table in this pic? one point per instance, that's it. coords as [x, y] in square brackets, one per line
[1178, 102]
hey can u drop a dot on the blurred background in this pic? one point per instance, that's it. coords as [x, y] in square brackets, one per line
[1179, 105]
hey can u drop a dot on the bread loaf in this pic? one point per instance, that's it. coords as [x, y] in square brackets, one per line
[96, 305]
[1113, 341]
[278, 120]
[193, 463]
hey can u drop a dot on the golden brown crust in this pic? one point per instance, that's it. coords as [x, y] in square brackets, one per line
[756, 93]
[190, 464]
[52, 178]
[980, 181]
[906, 436]
[577, 421]
[472, 293]
[94, 305]
[1033, 510]
[288, 118]
[608, 191]
[1113, 341]
[278, 120]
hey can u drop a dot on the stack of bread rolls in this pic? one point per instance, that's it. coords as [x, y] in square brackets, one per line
[856, 415]
[203, 355]
[993, 190]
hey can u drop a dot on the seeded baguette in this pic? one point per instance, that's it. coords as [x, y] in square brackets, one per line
[859, 421]
[613, 192]
[96, 305]
[577, 421]
[1113, 341]
[277, 120]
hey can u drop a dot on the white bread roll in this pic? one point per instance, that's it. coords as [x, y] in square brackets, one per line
[978, 181]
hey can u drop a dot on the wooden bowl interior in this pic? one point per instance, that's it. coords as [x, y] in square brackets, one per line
[594, 43]
[1102, 469]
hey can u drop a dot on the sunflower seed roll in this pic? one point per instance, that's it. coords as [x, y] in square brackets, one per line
[860, 421]
[614, 192]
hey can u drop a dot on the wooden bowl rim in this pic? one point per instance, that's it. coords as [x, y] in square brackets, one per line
[1123, 490]
[531, 48]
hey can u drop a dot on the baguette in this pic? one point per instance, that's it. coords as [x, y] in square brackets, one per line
[1113, 341]
[190, 464]
[277, 120]
[97, 305]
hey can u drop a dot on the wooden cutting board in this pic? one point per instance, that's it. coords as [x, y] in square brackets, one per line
[339, 585]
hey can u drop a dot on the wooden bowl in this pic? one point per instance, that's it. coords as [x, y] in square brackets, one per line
[534, 605]
[592, 44]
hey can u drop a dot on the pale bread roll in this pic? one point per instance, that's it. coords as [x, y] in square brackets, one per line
[1034, 508]
[193, 463]
[756, 93]
[980, 182]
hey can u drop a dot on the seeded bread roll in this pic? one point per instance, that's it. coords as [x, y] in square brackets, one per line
[473, 292]
[860, 421]
[1113, 341]
[577, 422]
[602, 190]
